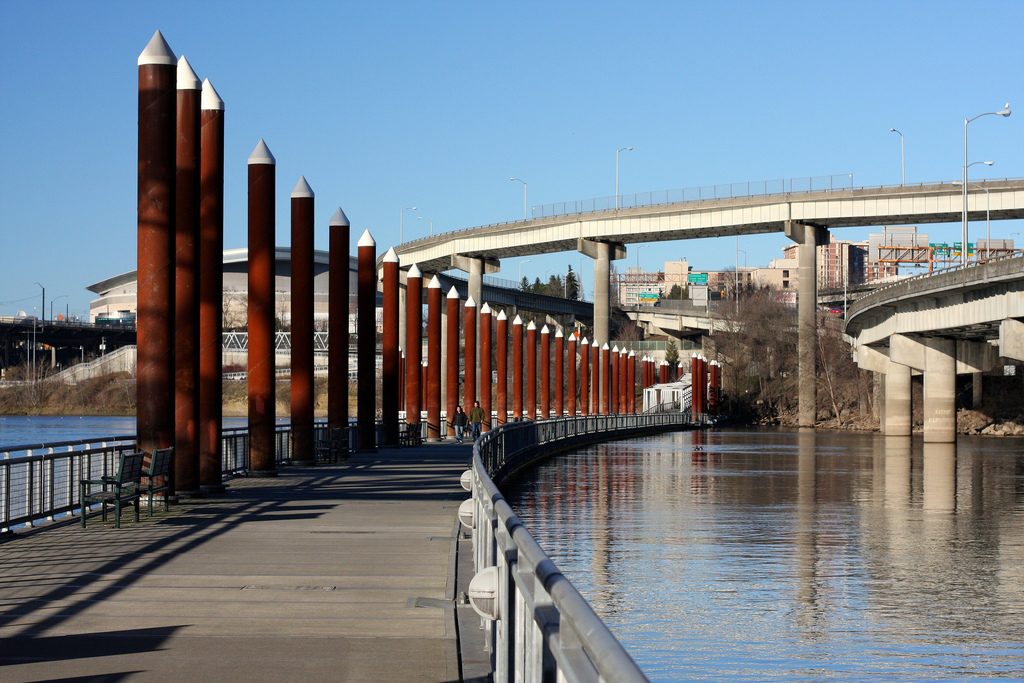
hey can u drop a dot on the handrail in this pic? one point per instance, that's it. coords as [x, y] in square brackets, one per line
[562, 637]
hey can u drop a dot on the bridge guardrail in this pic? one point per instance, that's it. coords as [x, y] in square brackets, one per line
[545, 628]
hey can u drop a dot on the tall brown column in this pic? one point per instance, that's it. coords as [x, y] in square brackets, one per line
[663, 372]
[186, 291]
[624, 388]
[584, 377]
[712, 390]
[469, 374]
[485, 365]
[452, 359]
[413, 344]
[613, 380]
[302, 322]
[570, 381]
[423, 384]
[501, 358]
[544, 364]
[262, 412]
[694, 388]
[631, 382]
[211, 288]
[366, 343]
[680, 370]
[530, 402]
[605, 370]
[596, 374]
[559, 373]
[434, 360]
[401, 378]
[338, 320]
[517, 368]
[390, 380]
[156, 171]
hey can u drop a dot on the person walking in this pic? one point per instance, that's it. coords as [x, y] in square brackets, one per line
[459, 421]
[476, 419]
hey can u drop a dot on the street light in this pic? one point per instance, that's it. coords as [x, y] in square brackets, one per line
[401, 222]
[423, 218]
[42, 311]
[60, 296]
[988, 205]
[521, 270]
[617, 153]
[903, 158]
[1004, 112]
[513, 178]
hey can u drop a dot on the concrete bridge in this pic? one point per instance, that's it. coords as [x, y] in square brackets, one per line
[962, 320]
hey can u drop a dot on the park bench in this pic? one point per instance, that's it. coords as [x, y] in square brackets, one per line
[333, 447]
[157, 476]
[410, 435]
[121, 488]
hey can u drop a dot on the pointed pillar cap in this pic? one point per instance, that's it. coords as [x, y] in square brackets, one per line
[366, 240]
[545, 330]
[210, 101]
[604, 347]
[615, 349]
[261, 154]
[470, 303]
[339, 219]
[517, 321]
[434, 283]
[187, 79]
[632, 354]
[531, 326]
[391, 256]
[558, 333]
[485, 309]
[302, 190]
[414, 271]
[157, 51]
[501, 315]
[453, 293]
[584, 341]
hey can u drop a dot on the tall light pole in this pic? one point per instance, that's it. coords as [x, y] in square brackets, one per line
[521, 270]
[1004, 112]
[619, 151]
[736, 284]
[428, 220]
[963, 247]
[903, 158]
[59, 296]
[513, 178]
[42, 310]
[401, 222]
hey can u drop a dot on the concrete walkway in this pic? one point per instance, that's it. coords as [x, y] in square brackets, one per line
[339, 573]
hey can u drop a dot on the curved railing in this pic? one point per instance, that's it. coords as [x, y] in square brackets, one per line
[538, 626]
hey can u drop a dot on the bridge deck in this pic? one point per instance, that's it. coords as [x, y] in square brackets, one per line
[314, 575]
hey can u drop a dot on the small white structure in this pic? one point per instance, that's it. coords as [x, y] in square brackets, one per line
[670, 397]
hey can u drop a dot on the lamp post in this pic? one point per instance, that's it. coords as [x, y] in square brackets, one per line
[401, 222]
[1004, 112]
[42, 311]
[513, 178]
[60, 296]
[520, 264]
[963, 246]
[619, 151]
[903, 158]
[422, 218]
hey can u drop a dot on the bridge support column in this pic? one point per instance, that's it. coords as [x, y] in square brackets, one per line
[936, 358]
[808, 237]
[603, 254]
[897, 415]
[1011, 339]
[433, 383]
[302, 203]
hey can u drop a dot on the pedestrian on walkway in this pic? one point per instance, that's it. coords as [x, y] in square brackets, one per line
[459, 421]
[476, 419]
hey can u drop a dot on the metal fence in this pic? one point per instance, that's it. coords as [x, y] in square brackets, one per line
[544, 628]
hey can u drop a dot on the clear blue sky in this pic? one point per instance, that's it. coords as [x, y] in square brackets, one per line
[385, 105]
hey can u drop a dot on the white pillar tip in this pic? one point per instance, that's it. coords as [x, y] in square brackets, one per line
[414, 271]
[391, 256]
[558, 333]
[585, 341]
[187, 79]
[470, 303]
[366, 240]
[502, 316]
[339, 219]
[261, 154]
[485, 309]
[531, 326]
[210, 101]
[434, 283]
[517, 321]
[302, 190]
[453, 293]
[157, 51]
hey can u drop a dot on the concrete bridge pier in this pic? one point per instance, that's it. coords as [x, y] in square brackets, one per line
[936, 358]
[603, 254]
[475, 267]
[808, 237]
[898, 405]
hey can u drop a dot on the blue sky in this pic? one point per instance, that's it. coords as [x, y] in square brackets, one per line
[385, 105]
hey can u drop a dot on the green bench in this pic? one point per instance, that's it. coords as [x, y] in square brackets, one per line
[121, 489]
[157, 476]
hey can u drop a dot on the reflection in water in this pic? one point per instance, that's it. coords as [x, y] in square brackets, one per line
[761, 555]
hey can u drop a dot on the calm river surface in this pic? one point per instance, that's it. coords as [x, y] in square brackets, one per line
[17, 430]
[783, 555]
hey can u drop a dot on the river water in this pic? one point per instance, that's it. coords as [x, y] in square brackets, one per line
[16, 430]
[784, 555]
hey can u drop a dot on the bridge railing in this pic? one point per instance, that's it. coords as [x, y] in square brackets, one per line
[545, 629]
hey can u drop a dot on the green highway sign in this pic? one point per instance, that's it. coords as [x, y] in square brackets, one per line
[697, 278]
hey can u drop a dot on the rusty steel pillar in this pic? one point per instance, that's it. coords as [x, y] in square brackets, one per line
[663, 372]
[680, 370]
[559, 372]
[156, 173]
[625, 390]
[613, 380]
[469, 374]
[501, 358]
[631, 382]
[391, 361]
[584, 377]
[186, 293]
[211, 288]
[530, 402]
[413, 344]
[544, 364]
[262, 409]
[694, 371]
[712, 393]
[302, 395]
[570, 380]
[485, 366]
[451, 359]
[605, 370]
[366, 343]
[337, 324]
[595, 378]
[517, 368]
[434, 360]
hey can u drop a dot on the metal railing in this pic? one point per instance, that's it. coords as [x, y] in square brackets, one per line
[545, 629]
